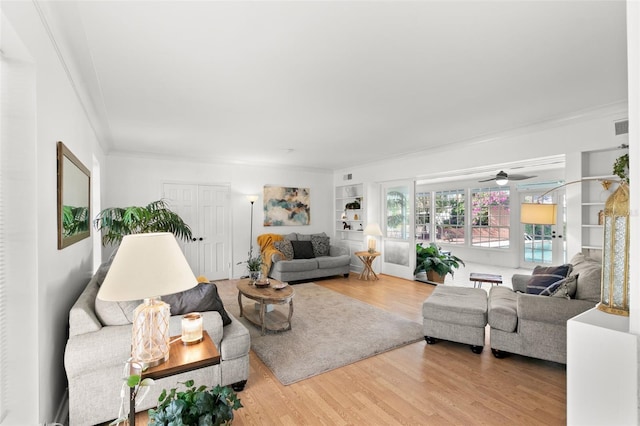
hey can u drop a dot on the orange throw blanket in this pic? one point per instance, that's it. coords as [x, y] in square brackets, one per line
[265, 241]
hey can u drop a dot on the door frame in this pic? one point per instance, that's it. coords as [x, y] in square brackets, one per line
[408, 252]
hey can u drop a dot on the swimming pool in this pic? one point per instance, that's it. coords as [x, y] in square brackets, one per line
[538, 251]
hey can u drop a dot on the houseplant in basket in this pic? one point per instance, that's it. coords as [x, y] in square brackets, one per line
[435, 263]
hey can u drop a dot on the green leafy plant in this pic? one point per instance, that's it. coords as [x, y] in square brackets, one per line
[254, 263]
[116, 222]
[195, 406]
[621, 167]
[74, 220]
[431, 258]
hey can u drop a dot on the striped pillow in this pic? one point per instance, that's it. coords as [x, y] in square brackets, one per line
[545, 280]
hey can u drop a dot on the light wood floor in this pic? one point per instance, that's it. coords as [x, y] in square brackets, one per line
[417, 384]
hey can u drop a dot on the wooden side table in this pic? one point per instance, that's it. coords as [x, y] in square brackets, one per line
[367, 259]
[182, 358]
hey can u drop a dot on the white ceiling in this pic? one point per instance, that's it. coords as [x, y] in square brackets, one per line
[332, 84]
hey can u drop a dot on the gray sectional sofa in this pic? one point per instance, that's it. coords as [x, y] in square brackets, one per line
[96, 352]
[534, 325]
[335, 262]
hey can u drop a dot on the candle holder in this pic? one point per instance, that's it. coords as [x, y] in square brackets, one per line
[191, 329]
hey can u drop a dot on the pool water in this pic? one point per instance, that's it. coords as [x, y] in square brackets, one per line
[538, 251]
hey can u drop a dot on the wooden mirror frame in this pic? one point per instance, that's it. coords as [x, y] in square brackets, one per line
[72, 187]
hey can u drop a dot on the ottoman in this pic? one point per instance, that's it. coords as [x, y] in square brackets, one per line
[458, 314]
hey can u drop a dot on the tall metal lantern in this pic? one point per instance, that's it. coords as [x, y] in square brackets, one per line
[614, 296]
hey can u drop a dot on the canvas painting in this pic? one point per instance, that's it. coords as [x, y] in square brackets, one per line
[284, 206]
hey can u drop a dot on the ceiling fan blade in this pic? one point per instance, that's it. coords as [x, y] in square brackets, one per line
[488, 180]
[520, 177]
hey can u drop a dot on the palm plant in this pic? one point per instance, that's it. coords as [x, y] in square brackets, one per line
[435, 263]
[116, 222]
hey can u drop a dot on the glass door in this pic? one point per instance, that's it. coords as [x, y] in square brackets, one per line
[543, 244]
[399, 254]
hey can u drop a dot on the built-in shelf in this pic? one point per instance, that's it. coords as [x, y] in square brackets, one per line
[352, 238]
[596, 167]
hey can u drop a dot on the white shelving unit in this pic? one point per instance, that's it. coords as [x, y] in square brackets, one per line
[350, 222]
[596, 166]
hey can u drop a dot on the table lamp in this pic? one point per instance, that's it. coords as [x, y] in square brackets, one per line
[146, 267]
[373, 230]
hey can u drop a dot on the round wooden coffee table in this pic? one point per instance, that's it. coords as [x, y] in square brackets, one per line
[274, 320]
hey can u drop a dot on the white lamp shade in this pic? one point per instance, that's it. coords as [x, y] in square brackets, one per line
[252, 198]
[538, 214]
[147, 265]
[373, 229]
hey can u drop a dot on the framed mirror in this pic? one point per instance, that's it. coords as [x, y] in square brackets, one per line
[74, 195]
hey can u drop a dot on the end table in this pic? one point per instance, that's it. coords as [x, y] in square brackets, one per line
[367, 259]
[182, 358]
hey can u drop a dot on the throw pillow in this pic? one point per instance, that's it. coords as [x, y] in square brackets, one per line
[302, 250]
[547, 279]
[285, 248]
[566, 289]
[589, 273]
[320, 245]
[201, 298]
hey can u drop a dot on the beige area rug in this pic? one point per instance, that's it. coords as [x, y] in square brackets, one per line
[329, 330]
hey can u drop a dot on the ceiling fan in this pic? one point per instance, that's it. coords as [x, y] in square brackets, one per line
[502, 178]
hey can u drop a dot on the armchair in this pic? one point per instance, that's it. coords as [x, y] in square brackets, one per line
[534, 325]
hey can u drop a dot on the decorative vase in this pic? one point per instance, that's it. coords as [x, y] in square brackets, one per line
[255, 276]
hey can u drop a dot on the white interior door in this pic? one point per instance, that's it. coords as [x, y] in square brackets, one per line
[213, 231]
[398, 245]
[205, 208]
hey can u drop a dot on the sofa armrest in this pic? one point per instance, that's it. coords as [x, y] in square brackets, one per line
[554, 310]
[519, 282]
[338, 251]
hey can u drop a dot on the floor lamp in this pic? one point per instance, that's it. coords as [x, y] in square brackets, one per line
[614, 295]
[252, 199]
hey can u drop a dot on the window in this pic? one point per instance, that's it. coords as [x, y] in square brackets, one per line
[423, 217]
[449, 216]
[490, 216]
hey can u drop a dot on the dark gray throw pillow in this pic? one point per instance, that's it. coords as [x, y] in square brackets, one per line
[545, 280]
[320, 245]
[302, 250]
[201, 298]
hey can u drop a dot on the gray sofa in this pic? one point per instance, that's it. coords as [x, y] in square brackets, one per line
[335, 263]
[534, 325]
[95, 355]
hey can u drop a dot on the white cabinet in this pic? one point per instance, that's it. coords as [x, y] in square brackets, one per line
[350, 220]
[602, 370]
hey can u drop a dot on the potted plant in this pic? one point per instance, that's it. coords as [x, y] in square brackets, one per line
[116, 222]
[435, 263]
[195, 406]
[254, 266]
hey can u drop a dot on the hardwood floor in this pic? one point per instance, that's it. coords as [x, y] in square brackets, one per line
[417, 384]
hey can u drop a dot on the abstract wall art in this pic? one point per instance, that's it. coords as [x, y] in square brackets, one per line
[286, 206]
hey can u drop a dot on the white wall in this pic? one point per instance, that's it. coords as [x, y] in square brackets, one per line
[588, 131]
[53, 278]
[135, 181]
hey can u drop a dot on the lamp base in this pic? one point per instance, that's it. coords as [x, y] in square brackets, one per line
[150, 332]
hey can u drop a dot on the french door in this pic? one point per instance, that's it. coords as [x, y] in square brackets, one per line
[543, 244]
[205, 208]
[398, 240]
